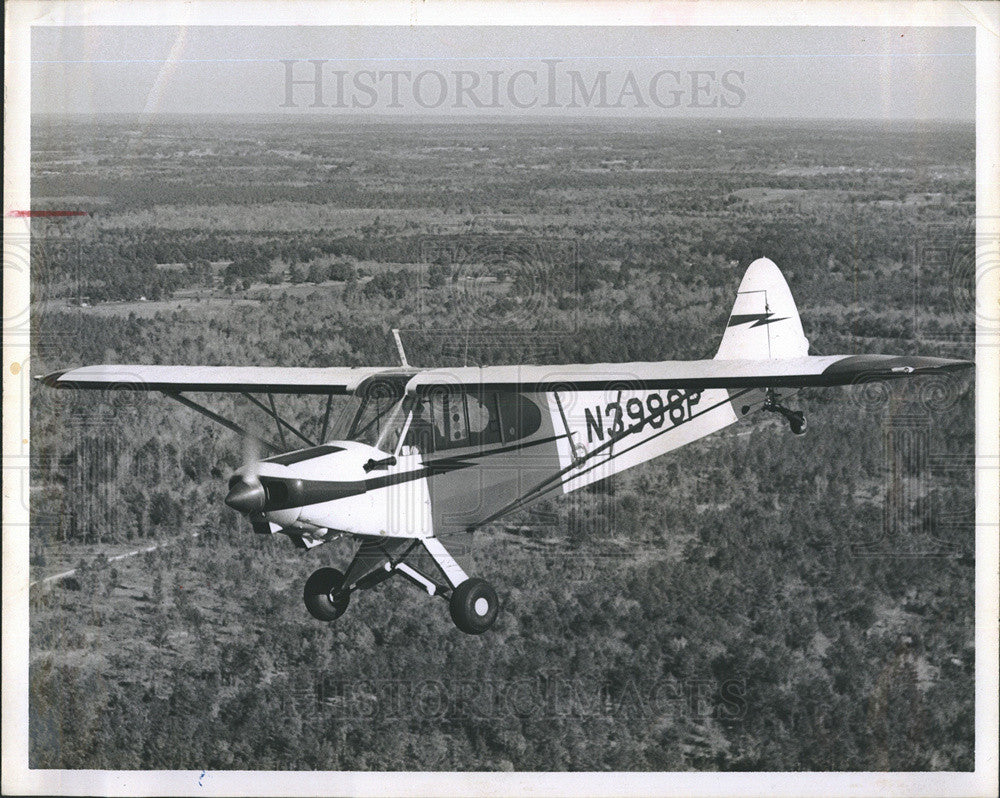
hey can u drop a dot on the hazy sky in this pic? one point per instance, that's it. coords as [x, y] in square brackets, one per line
[871, 73]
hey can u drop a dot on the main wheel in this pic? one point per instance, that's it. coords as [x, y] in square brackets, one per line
[322, 594]
[474, 606]
[797, 421]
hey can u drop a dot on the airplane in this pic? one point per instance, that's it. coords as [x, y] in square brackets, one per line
[428, 454]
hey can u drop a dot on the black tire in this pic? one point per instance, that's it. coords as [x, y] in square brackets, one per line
[797, 421]
[468, 610]
[322, 596]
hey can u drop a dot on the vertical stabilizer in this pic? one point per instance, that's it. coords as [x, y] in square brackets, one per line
[764, 323]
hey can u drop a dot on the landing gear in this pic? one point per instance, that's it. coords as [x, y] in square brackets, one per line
[473, 603]
[796, 418]
[324, 595]
[474, 606]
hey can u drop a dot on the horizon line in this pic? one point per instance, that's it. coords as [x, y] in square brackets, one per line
[492, 118]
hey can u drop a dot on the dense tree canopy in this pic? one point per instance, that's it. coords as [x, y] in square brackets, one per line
[755, 601]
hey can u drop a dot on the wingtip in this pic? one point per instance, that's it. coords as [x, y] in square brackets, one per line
[863, 368]
[50, 379]
[946, 364]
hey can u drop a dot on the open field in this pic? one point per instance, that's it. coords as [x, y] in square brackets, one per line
[755, 601]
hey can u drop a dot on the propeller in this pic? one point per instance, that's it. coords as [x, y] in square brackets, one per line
[251, 457]
[246, 493]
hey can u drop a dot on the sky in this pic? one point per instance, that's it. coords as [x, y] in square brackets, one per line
[660, 72]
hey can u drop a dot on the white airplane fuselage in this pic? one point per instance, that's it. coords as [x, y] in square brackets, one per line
[327, 488]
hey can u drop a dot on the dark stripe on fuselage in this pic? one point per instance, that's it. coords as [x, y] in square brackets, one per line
[293, 492]
[304, 492]
[306, 454]
[452, 462]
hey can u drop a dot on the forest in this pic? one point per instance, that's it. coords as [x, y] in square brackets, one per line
[754, 601]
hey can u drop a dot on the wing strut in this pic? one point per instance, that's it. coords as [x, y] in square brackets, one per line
[280, 422]
[225, 422]
[577, 458]
[326, 418]
[277, 421]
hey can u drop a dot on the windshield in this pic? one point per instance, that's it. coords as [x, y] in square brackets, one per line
[372, 419]
[393, 425]
[377, 415]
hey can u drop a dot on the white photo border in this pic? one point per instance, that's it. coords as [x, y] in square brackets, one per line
[22, 15]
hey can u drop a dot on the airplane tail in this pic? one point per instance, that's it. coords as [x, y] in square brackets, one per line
[764, 323]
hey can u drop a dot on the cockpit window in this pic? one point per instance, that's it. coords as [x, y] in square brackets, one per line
[454, 419]
[377, 413]
[519, 416]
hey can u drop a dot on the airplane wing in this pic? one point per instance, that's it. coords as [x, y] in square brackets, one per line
[799, 372]
[219, 379]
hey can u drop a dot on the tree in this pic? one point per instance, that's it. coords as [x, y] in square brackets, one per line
[317, 274]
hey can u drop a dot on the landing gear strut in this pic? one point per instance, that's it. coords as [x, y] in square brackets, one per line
[473, 602]
[796, 418]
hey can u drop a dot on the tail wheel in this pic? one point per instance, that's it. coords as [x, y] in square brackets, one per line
[474, 605]
[323, 596]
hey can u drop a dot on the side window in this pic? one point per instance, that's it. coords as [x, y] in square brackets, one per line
[484, 419]
[455, 421]
[452, 420]
[421, 431]
[519, 416]
[447, 412]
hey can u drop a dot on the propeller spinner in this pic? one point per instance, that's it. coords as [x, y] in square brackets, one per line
[246, 493]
